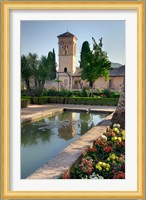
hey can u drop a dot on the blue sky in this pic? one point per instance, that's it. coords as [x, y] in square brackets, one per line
[41, 36]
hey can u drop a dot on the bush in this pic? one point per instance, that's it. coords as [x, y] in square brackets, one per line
[36, 92]
[59, 93]
[116, 95]
[105, 159]
[24, 103]
[106, 92]
[77, 93]
[23, 92]
[61, 100]
[71, 100]
[97, 101]
[43, 100]
[86, 92]
[34, 100]
[74, 100]
[51, 92]
[25, 97]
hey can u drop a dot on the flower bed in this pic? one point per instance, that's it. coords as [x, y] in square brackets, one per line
[105, 160]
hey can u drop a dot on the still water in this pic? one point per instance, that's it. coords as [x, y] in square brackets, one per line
[44, 139]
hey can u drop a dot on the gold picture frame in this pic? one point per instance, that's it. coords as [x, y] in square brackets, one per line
[77, 5]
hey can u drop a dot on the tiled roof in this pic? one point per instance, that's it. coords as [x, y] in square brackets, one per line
[66, 34]
[119, 71]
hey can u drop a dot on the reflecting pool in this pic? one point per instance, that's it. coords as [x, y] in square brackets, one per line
[44, 139]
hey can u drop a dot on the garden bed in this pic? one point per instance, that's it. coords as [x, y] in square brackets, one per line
[104, 160]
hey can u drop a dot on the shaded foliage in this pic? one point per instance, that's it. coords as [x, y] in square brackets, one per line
[36, 71]
[96, 63]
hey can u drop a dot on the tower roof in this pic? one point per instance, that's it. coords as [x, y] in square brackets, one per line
[67, 34]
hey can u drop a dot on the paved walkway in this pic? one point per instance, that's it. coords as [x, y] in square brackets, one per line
[37, 111]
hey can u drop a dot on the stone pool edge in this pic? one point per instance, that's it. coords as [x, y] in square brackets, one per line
[64, 161]
[41, 115]
[50, 112]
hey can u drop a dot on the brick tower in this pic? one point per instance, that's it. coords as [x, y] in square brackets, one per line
[67, 58]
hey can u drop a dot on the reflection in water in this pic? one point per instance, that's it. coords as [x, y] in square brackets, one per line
[42, 140]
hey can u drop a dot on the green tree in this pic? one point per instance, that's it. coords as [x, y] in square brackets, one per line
[85, 52]
[43, 72]
[52, 64]
[26, 72]
[32, 59]
[97, 65]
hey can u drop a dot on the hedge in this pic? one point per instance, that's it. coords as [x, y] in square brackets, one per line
[75, 100]
[24, 103]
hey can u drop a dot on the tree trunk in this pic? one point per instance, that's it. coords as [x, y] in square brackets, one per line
[43, 83]
[39, 84]
[119, 114]
[91, 84]
[28, 87]
[36, 85]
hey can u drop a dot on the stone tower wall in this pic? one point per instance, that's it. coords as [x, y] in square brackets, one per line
[67, 54]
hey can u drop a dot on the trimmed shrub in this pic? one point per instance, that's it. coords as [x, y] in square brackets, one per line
[25, 97]
[34, 100]
[43, 100]
[116, 95]
[97, 101]
[53, 99]
[71, 100]
[24, 103]
[74, 100]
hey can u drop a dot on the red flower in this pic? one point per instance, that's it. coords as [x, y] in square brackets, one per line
[100, 143]
[123, 166]
[123, 143]
[109, 134]
[119, 175]
[92, 149]
[107, 149]
[113, 134]
[118, 144]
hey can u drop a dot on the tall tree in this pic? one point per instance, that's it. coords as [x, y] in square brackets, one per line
[43, 72]
[52, 64]
[33, 65]
[85, 52]
[26, 72]
[97, 65]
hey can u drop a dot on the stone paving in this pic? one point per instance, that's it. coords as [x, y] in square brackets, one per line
[63, 162]
[34, 112]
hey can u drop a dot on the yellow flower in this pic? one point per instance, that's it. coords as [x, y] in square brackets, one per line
[119, 139]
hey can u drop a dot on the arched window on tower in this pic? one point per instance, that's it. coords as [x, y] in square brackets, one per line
[65, 69]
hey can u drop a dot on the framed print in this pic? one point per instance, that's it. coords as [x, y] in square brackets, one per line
[25, 28]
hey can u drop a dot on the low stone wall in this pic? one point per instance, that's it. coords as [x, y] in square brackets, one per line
[64, 161]
[40, 115]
